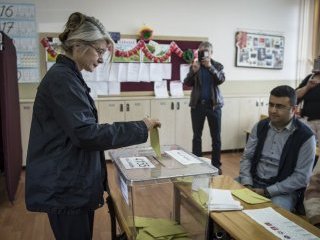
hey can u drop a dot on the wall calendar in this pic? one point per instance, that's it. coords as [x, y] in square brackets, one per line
[18, 21]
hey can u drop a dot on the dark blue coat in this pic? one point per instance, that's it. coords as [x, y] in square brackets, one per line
[66, 170]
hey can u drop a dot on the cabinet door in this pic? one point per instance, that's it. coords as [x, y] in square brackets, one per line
[164, 110]
[136, 110]
[183, 124]
[264, 102]
[249, 115]
[111, 111]
[230, 124]
[26, 110]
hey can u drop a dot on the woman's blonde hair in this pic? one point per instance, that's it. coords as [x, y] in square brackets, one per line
[84, 29]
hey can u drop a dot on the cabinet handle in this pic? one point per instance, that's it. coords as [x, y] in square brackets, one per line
[261, 103]
[127, 107]
[26, 108]
[121, 107]
[172, 105]
[178, 105]
[257, 103]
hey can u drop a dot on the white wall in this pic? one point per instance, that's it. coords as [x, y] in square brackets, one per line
[216, 19]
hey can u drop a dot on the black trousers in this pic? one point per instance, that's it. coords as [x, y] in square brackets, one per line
[72, 227]
[198, 116]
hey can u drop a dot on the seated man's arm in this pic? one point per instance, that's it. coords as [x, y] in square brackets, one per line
[312, 197]
[301, 175]
[245, 177]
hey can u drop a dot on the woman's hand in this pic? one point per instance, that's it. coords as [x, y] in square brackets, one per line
[151, 123]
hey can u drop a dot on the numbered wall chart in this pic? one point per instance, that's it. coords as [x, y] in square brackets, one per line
[18, 21]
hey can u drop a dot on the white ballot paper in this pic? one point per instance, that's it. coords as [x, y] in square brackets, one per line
[280, 226]
[136, 162]
[183, 157]
[221, 200]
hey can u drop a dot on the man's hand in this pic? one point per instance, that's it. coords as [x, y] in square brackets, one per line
[314, 81]
[195, 66]
[260, 191]
[206, 61]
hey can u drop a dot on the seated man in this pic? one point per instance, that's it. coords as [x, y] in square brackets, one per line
[312, 197]
[278, 159]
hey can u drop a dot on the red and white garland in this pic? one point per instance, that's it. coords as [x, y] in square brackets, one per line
[141, 45]
[174, 48]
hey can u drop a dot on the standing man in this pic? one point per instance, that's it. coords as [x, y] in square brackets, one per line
[204, 77]
[278, 158]
[308, 92]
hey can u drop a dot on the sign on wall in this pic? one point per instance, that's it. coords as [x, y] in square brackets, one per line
[18, 21]
[259, 50]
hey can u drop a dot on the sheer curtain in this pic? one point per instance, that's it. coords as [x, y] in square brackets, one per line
[309, 37]
[316, 29]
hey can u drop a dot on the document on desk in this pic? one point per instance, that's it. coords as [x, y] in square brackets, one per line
[249, 196]
[155, 141]
[183, 157]
[279, 225]
[222, 200]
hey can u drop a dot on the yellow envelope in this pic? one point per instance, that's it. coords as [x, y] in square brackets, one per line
[155, 142]
[161, 230]
[249, 196]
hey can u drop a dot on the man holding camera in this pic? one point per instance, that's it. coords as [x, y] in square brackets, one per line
[204, 77]
[308, 93]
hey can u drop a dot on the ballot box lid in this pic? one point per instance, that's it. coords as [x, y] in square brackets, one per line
[140, 165]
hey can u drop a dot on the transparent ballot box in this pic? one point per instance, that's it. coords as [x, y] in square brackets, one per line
[161, 197]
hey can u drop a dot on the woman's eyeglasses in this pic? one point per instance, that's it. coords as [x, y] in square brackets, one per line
[101, 52]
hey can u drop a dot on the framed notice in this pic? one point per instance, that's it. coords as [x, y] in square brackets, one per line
[259, 50]
[18, 21]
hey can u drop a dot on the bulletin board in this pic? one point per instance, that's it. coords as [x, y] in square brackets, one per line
[183, 42]
[259, 50]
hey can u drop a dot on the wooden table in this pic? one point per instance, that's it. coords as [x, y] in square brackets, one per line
[239, 226]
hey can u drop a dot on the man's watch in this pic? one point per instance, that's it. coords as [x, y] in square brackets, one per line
[266, 193]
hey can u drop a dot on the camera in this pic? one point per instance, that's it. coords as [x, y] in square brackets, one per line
[202, 55]
[316, 65]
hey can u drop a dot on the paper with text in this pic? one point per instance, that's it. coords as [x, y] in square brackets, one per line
[136, 162]
[183, 157]
[280, 226]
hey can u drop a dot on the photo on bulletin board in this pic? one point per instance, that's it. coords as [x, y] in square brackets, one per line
[257, 50]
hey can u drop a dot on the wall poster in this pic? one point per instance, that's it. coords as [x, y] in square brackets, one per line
[259, 50]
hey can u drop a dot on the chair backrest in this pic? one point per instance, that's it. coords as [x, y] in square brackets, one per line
[263, 116]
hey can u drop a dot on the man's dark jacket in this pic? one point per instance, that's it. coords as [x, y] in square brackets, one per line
[193, 80]
[66, 170]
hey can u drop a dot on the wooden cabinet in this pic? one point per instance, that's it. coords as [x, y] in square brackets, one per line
[116, 110]
[238, 116]
[26, 110]
[111, 111]
[174, 115]
[251, 108]
[230, 124]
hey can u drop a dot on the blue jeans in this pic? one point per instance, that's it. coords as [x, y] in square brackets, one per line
[198, 116]
[286, 201]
